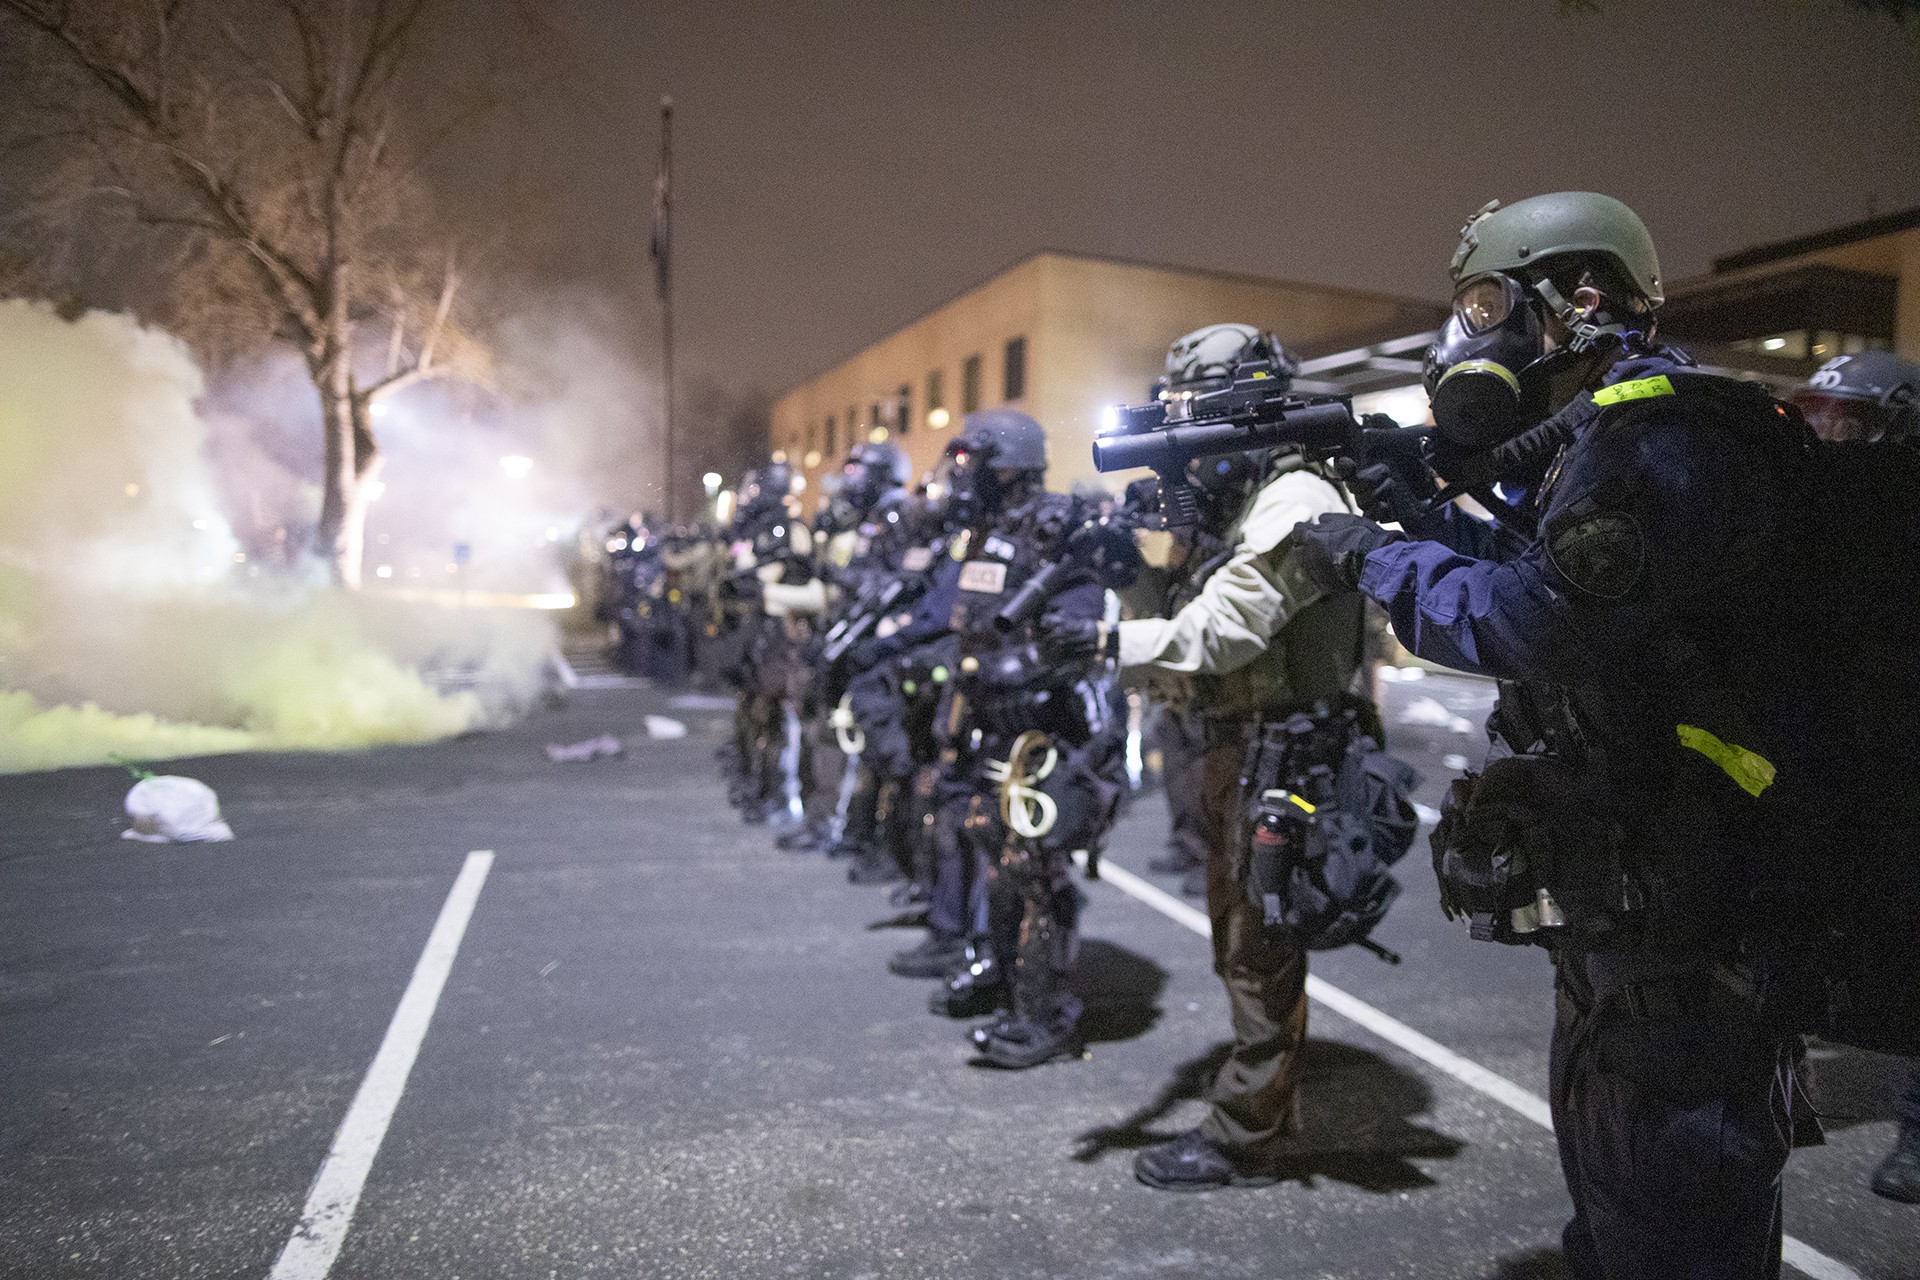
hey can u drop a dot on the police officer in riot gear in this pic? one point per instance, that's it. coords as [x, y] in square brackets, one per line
[1033, 750]
[1636, 629]
[1873, 398]
[856, 537]
[1865, 398]
[773, 566]
[1242, 650]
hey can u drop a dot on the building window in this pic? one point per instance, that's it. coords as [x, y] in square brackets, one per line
[905, 419]
[833, 437]
[1014, 377]
[937, 415]
[970, 384]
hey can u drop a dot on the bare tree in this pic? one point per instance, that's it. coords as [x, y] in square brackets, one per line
[258, 157]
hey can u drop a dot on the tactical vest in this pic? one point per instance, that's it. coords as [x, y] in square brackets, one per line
[1316, 655]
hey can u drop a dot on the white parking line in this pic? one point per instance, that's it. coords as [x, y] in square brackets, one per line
[1502, 1090]
[335, 1192]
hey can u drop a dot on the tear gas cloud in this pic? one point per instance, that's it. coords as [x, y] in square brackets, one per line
[157, 596]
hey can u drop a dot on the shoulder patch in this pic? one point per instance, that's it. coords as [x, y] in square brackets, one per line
[1636, 389]
[1602, 554]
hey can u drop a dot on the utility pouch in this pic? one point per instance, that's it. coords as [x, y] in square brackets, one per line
[1328, 813]
[1528, 849]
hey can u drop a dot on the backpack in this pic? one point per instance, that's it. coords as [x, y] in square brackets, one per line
[1838, 902]
[1829, 891]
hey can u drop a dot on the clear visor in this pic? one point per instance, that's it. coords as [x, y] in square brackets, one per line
[1484, 302]
[1842, 419]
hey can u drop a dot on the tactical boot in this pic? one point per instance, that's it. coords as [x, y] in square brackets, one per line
[874, 866]
[1018, 1042]
[802, 840]
[974, 990]
[910, 894]
[1195, 1162]
[936, 957]
[1898, 1177]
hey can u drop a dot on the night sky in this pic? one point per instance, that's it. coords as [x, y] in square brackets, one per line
[841, 168]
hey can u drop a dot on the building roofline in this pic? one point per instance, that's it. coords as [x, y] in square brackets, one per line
[1832, 238]
[1238, 277]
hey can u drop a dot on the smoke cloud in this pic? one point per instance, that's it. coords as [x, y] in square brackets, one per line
[154, 598]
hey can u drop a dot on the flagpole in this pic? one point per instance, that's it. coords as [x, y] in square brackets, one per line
[663, 250]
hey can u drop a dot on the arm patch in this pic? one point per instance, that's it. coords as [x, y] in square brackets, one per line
[1603, 553]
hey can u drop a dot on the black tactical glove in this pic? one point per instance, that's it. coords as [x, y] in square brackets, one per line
[1333, 549]
[1064, 639]
[1379, 492]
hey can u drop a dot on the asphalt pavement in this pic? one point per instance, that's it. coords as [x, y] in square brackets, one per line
[664, 1048]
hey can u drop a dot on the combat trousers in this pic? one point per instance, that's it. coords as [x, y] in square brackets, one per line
[958, 903]
[1033, 918]
[1674, 1123]
[1252, 1100]
[1908, 1108]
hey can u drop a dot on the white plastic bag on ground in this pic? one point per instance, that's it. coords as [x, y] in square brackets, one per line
[172, 810]
[665, 727]
[592, 749]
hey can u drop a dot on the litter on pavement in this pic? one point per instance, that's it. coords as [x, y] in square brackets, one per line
[167, 809]
[665, 727]
[592, 749]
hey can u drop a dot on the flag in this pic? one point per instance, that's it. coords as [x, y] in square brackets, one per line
[660, 244]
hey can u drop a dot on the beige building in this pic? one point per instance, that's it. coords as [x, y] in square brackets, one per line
[1778, 311]
[1061, 336]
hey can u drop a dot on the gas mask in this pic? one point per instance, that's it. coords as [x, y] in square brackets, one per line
[1490, 375]
[972, 487]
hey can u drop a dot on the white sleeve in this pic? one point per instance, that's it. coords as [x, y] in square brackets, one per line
[1242, 604]
[783, 599]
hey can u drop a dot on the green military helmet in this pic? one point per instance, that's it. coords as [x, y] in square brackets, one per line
[1212, 353]
[1517, 238]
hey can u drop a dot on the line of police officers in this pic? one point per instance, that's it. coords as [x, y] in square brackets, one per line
[1700, 792]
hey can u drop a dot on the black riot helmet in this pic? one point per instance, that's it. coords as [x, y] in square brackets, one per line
[998, 455]
[869, 472]
[1494, 371]
[1862, 398]
[1006, 438]
[764, 491]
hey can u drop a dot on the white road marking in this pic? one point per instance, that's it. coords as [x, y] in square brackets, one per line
[335, 1192]
[1797, 1254]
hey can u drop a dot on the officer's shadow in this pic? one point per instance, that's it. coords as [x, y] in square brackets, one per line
[1120, 989]
[1357, 1119]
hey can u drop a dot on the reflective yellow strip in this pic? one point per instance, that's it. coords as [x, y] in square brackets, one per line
[1290, 798]
[1499, 371]
[1753, 773]
[1638, 389]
